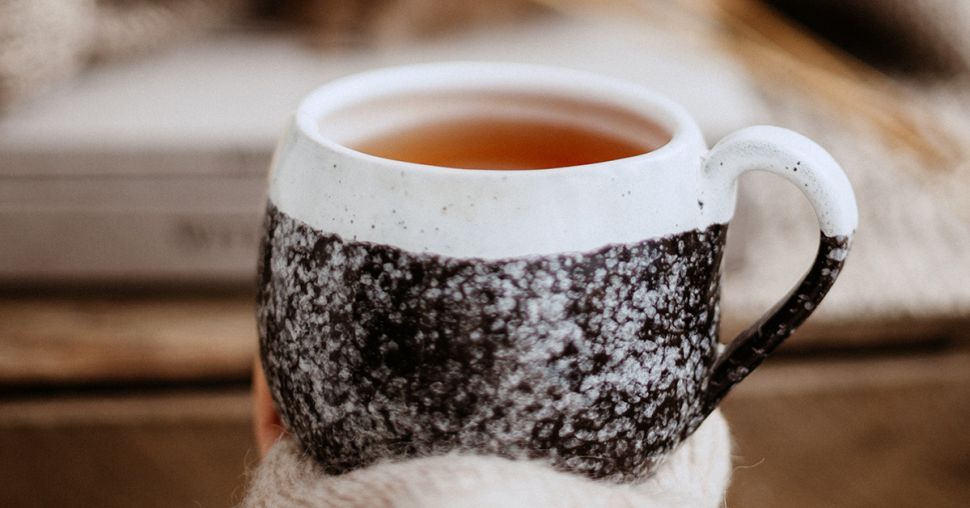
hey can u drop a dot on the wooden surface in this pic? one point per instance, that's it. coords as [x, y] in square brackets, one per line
[71, 339]
[133, 338]
[887, 431]
[141, 400]
[137, 450]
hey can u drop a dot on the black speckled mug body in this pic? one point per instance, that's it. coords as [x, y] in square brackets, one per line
[594, 361]
[568, 315]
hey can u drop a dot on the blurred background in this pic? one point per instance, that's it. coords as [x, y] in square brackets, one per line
[135, 137]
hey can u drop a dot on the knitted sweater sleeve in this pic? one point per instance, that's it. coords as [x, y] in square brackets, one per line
[695, 475]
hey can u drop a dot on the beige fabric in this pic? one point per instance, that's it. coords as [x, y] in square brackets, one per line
[130, 27]
[694, 476]
[370, 22]
[43, 43]
[908, 270]
[909, 259]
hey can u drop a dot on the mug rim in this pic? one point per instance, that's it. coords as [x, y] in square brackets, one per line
[515, 77]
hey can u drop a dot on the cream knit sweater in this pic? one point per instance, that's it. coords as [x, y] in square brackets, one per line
[694, 476]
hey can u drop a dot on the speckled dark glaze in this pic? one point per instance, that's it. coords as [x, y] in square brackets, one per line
[404, 313]
[754, 345]
[594, 361]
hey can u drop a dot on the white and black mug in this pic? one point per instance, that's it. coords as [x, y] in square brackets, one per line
[566, 314]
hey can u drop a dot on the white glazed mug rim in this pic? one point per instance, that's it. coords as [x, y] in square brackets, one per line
[464, 76]
[491, 214]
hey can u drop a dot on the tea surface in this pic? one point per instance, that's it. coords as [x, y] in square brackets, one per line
[501, 143]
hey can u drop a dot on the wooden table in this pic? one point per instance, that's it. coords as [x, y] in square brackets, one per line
[142, 400]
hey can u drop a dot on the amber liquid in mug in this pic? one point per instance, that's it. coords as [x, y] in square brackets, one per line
[483, 142]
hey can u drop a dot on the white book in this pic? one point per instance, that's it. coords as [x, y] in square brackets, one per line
[154, 169]
[87, 222]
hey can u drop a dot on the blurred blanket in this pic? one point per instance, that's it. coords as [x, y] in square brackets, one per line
[46, 42]
[906, 278]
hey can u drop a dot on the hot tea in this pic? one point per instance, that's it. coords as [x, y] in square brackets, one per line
[503, 142]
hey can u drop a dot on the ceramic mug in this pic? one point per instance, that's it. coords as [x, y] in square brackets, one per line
[568, 314]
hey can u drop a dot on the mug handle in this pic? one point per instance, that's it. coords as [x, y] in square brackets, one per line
[822, 181]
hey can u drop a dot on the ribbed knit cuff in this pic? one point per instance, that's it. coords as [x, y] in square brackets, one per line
[695, 475]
